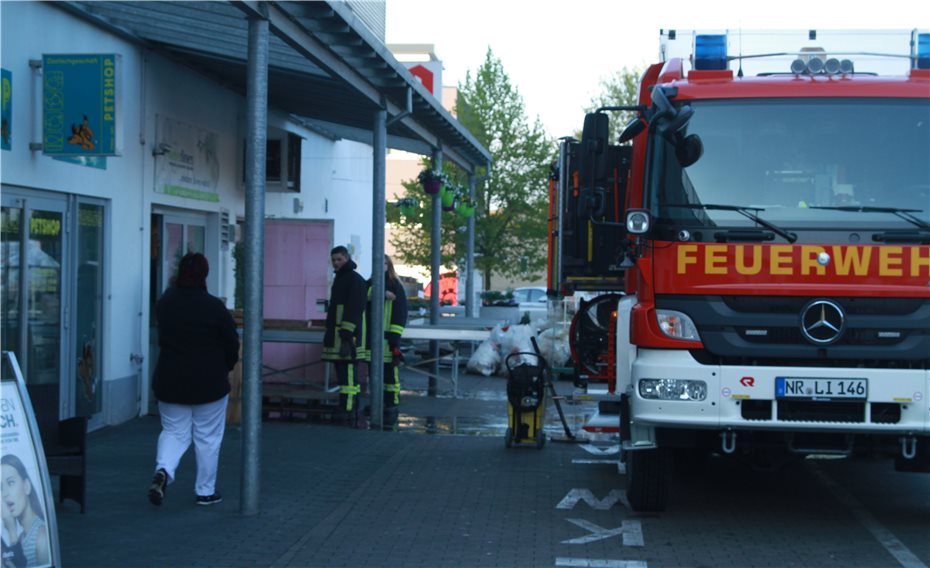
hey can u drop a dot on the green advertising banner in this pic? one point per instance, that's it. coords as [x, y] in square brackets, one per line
[6, 117]
[80, 105]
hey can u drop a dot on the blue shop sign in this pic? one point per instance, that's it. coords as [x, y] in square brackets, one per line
[80, 105]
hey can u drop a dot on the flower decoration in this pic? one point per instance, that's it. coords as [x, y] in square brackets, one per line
[448, 196]
[408, 206]
[465, 207]
[431, 181]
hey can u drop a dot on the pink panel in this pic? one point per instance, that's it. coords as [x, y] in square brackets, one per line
[280, 356]
[297, 273]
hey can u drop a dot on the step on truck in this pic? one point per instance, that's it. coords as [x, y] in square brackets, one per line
[760, 234]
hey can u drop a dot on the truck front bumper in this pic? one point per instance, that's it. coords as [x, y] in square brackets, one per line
[750, 397]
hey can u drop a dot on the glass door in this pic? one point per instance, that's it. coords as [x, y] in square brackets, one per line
[11, 279]
[51, 289]
[173, 235]
[88, 303]
[34, 269]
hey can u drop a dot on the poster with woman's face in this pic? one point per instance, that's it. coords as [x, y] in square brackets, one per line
[25, 530]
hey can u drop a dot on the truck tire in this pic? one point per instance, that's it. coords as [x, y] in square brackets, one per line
[647, 479]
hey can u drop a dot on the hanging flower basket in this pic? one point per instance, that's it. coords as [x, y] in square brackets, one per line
[408, 206]
[431, 181]
[447, 197]
[465, 209]
[432, 186]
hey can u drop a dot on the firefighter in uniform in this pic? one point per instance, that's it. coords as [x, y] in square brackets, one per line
[343, 330]
[395, 318]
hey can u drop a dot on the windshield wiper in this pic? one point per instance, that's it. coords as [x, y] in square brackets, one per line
[751, 234]
[745, 212]
[905, 214]
[917, 236]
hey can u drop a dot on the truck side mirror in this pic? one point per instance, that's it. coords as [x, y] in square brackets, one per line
[632, 129]
[689, 150]
[592, 202]
[593, 148]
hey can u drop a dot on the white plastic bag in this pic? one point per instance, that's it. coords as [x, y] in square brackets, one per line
[485, 359]
[553, 343]
[520, 341]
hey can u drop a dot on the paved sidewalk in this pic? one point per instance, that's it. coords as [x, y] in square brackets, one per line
[335, 496]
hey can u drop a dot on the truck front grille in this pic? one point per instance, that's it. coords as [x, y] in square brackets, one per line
[881, 333]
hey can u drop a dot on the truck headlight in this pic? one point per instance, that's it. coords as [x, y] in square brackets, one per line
[672, 389]
[677, 325]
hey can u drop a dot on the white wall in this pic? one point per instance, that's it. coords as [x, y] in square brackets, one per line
[30, 29]
[180, 94]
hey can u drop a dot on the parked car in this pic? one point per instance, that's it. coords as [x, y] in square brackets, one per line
[514, 304]
[530, 297]
[515, 297]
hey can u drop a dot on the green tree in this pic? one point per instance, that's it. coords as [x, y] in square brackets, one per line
[512, 198]
[411, 235]
[619, 89]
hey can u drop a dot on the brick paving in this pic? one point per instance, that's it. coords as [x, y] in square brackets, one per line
[336, 496]
[331, 495]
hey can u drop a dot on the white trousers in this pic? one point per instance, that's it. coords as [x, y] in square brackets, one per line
[205, 424]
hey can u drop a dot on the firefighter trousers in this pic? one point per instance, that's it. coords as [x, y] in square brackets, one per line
[347, 377]
[391, 395]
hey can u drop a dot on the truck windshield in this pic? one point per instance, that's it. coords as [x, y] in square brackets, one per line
[800, 164]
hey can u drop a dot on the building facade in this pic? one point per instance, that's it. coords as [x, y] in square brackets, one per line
[90, 239]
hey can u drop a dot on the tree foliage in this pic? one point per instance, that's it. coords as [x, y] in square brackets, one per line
[511, 224]
[411, 235]
[618, 89]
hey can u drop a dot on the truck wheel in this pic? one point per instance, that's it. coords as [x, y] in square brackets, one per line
[647, 478]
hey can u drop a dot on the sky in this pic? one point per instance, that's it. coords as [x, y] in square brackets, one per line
[557, 52]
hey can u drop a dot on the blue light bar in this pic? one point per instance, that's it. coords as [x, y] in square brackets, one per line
[923, 51]
[710, 52]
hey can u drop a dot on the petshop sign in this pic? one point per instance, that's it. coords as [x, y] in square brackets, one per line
[81, 105]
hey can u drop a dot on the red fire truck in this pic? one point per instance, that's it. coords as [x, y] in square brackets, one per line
[763, 243]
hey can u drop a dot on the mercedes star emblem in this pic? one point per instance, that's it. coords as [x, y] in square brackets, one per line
[822, 321]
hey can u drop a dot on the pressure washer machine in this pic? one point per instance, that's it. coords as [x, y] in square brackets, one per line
[527, 388]
[526, 399]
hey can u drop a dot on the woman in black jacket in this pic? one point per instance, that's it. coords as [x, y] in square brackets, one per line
[199, 346]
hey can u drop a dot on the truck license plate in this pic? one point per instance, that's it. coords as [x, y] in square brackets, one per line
[821, 389]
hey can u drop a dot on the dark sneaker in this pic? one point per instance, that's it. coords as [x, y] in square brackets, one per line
[209, 499]
[159, 486]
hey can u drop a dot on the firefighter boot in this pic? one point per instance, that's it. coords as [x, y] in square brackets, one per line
[391, 414]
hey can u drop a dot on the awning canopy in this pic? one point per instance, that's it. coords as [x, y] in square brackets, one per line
[324, 66]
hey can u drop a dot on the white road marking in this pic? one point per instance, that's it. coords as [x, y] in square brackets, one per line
[885, 537]
[599, 563]
[575, 495]
[593, 461]
[632, 532]
[601, 451]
